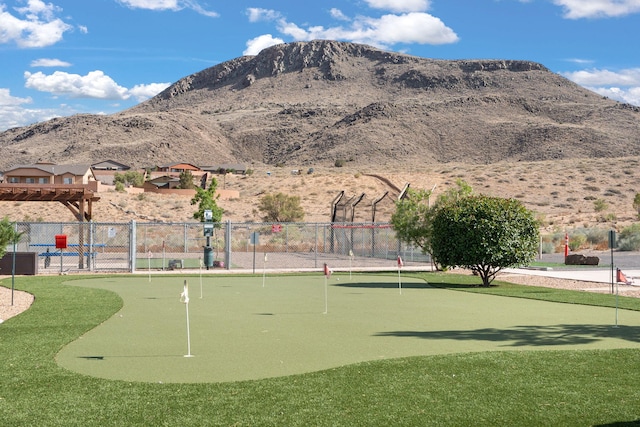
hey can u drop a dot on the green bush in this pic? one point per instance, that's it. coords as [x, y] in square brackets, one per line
[548, 248]
[629, 238]
[340, 163]
[599, 205]
[576, 241]
[596, 236]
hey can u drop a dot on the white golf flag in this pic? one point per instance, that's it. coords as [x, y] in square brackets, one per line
[184, 296]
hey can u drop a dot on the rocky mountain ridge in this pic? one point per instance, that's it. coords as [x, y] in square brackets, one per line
[312, 103]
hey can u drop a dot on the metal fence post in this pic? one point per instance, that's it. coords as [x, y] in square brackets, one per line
[132, 245]
[227, 246]
[90, 257]
[315, 248]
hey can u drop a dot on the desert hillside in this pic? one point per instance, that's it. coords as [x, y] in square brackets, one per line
[312, 103]
[566, 194]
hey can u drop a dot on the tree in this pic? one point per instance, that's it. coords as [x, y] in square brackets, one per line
[462, 189]
[280, 207]
[206, 200]
[484, 234]
[186, 180]
[8, 235]
[412, 219]
[133, 178]
[636, 203]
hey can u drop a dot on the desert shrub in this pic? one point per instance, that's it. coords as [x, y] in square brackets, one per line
[596, 236]
[599, 205]
[577, 240]
[548, 248]
[120, 186]
[629, 238]
[339, 163]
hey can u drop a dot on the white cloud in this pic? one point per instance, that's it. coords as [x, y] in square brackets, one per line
[623, 85]
[144, 92]
[255, 45]
[12, 111]
[7, 100]
[629, 96]
[400, 5]
[257, 14]
[37, 28]
[93, 85]
[174, 5]
[49, 62]
[577, 9]
[387, 30]
[595, 77]
[152, 4]
[337, 14]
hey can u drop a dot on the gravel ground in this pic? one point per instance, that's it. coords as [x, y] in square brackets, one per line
[23, 300]
[575, 285]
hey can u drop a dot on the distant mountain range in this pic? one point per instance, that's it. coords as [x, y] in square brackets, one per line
[314, 103]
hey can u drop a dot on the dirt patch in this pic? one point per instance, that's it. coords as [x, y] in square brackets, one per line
[21, 301]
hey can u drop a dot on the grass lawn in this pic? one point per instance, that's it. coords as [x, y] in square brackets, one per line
[477, 387]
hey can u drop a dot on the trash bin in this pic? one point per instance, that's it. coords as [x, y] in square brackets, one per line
[208, 256]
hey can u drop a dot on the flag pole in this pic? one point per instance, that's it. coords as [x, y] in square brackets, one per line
[350, 262]
[264, 269]
[327, 274]
[326, 296]
[400, 264]
[200, 262]
[184, 298]
[149, 265]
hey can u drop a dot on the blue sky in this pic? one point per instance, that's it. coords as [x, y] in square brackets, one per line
[64, 57]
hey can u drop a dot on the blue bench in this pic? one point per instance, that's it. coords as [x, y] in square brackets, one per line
[52, 254]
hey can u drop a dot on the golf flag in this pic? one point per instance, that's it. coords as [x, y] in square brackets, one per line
[621, 278]
[184, 296]
[327, 270]
[400, 263]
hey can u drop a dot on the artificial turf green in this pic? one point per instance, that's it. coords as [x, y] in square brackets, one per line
[241, 330]
[572, 388]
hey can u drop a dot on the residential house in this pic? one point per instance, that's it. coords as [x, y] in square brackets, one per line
[105, 171]
[49, 173]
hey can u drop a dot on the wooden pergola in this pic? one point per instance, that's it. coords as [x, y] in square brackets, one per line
[78, 198]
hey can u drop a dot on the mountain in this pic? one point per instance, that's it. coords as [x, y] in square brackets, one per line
[313, 103]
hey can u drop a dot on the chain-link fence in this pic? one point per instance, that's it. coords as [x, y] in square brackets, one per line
[126, 247]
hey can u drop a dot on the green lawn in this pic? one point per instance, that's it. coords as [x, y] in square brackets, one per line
[567, 387]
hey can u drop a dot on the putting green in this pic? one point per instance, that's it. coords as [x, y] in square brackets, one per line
[242, 330]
